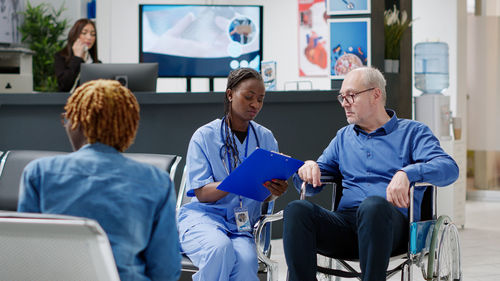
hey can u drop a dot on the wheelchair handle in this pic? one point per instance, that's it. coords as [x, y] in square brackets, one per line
[303, 191]
[325, 179]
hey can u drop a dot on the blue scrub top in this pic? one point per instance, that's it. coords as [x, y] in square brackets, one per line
[204, 165]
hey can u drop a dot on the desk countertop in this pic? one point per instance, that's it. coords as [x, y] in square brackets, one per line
[172, 98]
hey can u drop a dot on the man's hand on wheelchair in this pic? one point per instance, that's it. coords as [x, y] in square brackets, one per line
[398, 190]
[310, 173]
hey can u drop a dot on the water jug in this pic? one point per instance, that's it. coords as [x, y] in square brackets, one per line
[431, 67]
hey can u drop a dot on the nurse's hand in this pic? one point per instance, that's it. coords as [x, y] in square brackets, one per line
[276, 187]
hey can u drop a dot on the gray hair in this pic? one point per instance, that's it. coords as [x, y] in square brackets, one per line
[372, 77]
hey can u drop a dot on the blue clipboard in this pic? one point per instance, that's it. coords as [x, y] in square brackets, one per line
[261, 166]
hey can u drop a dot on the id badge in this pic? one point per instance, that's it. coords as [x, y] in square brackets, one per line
[242, 220]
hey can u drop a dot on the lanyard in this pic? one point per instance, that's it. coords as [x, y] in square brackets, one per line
[223, 127]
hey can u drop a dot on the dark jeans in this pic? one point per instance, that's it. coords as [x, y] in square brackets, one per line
[372, 232]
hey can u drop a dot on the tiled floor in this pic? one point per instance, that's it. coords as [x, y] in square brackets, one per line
[480, 244]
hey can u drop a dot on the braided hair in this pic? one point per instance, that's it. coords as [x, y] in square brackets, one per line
[106, 111]
[233, 81]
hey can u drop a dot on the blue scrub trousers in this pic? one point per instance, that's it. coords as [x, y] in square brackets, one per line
[371, 232]
[220, 255]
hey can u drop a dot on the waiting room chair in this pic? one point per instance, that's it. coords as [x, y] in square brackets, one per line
[52, 247]
[165, 162]
[13, 162]
[11, 168]
[433, 247]
[268, 268]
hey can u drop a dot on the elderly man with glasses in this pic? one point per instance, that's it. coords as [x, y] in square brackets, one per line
[376, 156]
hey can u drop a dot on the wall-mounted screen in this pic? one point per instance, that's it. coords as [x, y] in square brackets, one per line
[200, 40]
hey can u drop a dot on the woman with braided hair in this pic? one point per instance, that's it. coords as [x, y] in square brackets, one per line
[213, 227]
[133, 202]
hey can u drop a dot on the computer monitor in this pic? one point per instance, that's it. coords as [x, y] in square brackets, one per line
[138, 77]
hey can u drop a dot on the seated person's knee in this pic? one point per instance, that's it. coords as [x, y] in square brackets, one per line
[298, 209]
[222, 248]
[373, 206]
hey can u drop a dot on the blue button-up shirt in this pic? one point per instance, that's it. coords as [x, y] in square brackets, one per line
[133, 202]
[368, 161]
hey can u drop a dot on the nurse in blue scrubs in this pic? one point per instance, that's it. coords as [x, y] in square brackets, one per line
[214, 228]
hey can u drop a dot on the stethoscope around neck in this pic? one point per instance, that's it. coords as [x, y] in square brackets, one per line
[224, 151]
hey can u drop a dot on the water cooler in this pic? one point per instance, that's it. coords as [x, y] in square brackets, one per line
[431, 77]
[433, 109]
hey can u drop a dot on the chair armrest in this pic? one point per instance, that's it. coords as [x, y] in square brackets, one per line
[262, 253]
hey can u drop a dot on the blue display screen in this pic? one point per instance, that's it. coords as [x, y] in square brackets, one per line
[200, 40]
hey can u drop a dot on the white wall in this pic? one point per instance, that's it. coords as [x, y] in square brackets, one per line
[483, 77]
[118, 33]
[490, 7]
[437, 21]
[74, 9]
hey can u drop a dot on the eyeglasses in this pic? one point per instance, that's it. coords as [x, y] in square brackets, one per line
[349, 97]
[64, 120]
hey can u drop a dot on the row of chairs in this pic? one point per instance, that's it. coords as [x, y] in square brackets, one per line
[13, 162]
[55, 247]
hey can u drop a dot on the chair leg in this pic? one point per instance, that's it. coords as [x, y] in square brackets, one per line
[272, 272]
[337, 266]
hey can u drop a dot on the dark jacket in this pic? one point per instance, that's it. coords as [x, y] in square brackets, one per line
[67, 73]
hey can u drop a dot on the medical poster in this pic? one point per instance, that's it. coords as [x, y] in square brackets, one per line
[347, 7]
[269, 74]
[350, 45]
[313, 38]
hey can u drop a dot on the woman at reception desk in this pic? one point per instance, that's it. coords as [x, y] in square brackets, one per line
[80, 48]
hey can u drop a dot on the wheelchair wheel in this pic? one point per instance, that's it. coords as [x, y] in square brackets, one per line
[444, 253]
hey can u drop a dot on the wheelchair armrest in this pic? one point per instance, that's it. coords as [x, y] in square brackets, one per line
[411, 208]
[329, 179]
[262, 253]
[325, 179]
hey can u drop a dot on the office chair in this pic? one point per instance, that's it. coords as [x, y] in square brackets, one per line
[54, 247]
[268, 268]
[13, 162]
[433, 247]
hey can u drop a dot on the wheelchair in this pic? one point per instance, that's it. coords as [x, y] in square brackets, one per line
[433, 247]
